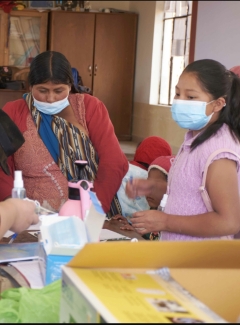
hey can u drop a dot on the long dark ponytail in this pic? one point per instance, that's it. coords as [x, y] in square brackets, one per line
[216, 80]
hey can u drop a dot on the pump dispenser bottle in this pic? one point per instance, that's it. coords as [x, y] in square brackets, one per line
[18, 190]
[79, 201]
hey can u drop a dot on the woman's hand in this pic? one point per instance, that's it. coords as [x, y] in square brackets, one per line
[25, 215]
[16, 215]
[148, 221]
[139, 187]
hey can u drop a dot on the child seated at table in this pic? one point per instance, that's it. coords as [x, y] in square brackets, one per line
[158, 170]
[147, 151]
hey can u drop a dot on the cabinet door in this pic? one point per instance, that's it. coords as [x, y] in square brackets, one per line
[114, 60]
[3, 36]
[72, 34]
[27, 37]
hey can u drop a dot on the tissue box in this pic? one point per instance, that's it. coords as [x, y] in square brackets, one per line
[50, 265]
[161, 282]
[64, 237]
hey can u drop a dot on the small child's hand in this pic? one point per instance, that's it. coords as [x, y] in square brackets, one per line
[120, 218]
[127, 226]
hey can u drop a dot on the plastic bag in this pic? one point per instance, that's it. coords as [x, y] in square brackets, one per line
[25, 305]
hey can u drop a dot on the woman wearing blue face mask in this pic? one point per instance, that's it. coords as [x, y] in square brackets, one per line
[60, 126]
[204, 180]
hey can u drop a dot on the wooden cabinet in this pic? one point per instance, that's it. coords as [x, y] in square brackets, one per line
[22, 36]
[73, 35]
[20, 42]
[102, 47]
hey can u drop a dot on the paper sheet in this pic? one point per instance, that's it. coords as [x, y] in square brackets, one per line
[108, 234]
[8, 234]
[95, 218]
[31, 272]
[34, 233]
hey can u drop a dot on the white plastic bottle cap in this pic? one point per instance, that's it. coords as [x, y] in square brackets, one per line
[18, 181]
[134, 240]
[164, 201]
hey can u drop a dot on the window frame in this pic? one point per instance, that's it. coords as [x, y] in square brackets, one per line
[191, 46]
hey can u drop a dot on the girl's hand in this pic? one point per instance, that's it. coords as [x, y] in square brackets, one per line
[139, 187]
[149, 221]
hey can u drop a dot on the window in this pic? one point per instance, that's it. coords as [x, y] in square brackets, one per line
[175, 46]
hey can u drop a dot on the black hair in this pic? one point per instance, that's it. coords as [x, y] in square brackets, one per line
[146, 165]
[51, 66]
[217, 81]
[165, 175]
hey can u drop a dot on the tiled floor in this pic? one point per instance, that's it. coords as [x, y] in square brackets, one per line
[129, 148]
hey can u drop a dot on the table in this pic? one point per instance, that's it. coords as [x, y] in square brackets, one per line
[25, 237]
[113, 225]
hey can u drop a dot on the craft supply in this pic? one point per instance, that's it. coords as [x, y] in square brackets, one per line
[131, 181]
[39, 209]
[18, 190]
[12, 238]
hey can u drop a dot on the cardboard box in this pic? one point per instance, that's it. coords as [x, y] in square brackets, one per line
[108, 283]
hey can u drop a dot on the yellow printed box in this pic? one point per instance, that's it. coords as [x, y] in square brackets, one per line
[153, 282]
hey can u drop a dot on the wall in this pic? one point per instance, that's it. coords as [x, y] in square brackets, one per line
[146, 11]
[221, 18]
[156, 120]
[150, 119]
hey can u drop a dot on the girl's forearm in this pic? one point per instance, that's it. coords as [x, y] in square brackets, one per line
[209, 224]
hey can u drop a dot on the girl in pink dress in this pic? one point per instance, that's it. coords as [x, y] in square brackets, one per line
[207, 103]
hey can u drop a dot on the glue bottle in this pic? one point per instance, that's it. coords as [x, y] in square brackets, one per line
[18, 190]
[163, 203]
[161, 207]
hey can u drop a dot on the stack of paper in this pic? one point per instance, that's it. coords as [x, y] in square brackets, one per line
[30, 270]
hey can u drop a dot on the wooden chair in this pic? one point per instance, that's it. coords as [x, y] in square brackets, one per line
[21, 74]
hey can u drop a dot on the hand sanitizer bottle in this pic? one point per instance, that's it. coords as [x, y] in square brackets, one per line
[18, 190]
[163, 203]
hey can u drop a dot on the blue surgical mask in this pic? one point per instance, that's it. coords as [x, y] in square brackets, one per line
[190, 114]
[51, 108]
